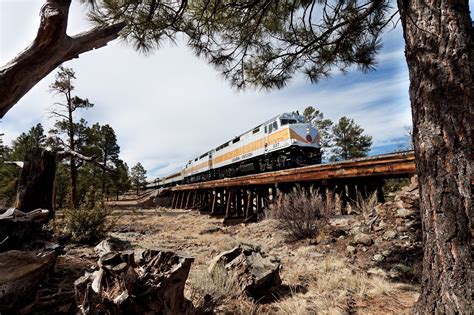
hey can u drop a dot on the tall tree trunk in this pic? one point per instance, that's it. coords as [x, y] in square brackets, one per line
[438, 36]
[73, 171]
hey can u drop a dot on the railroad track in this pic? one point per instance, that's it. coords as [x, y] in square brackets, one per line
[246, 196]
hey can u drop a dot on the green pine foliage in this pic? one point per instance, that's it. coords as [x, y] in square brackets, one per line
[257, 43]
[349, 140]
[88, 223]
[138, 177]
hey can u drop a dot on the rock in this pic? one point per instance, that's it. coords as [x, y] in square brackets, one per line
[351, 249]
[110, 244]
[378, 228]
[405, 213]
[135, 282]
[337, 233]
[255, 273]
[401, 268]
[389, 235]
[358, 230]
[402, 228]
[362, 239]
[342, 220]
[210, 230]
[377, 272]
[378, 258]
[379, 208]
[386, 253]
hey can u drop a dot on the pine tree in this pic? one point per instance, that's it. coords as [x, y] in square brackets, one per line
[349, 140]
[138, 177]
[66, 125]
[35, 138]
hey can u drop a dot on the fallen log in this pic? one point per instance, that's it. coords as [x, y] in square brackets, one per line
[20, 274]
[140, 282]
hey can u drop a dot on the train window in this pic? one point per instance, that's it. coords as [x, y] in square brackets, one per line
[195, 159]
[275, 125]
[266, 130]
[288, 121]
[236, 140]
[270, 129]
[256, 130]
[222, 146]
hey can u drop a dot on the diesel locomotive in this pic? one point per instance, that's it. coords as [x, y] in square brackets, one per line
[285, 141]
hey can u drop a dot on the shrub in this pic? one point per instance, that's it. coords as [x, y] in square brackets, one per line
[88, 223]
[365, 206]
[303, 213]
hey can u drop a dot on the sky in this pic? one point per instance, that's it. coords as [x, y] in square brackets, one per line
[168, 107]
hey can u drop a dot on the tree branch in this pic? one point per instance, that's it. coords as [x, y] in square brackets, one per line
[92, 159]
[51, 47]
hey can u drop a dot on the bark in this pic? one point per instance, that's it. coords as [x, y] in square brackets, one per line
[18, 229]
[51, 47]
[140, 282]
[438, 36]
[255, 273]
[36, 184]
[20, 274]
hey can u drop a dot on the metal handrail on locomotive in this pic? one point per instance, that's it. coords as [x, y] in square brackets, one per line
[282, 142]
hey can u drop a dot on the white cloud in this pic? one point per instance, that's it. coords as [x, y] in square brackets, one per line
[170, 106]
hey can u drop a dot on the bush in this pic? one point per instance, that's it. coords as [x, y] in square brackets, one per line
[365, 206]
[88, 223]
[303, 213]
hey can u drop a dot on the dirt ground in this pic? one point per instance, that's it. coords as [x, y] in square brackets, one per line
[322, 276]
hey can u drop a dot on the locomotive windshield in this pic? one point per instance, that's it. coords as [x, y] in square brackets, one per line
[288, 121]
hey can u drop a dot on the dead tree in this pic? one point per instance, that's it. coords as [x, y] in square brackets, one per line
[51, 47]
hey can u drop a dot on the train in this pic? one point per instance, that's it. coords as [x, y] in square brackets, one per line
[284, 141]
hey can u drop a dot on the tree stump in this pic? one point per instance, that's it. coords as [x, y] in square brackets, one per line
[140, 282]
[256, 274]
[36, 184]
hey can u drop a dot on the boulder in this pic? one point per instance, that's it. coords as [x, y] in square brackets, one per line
[255, 273]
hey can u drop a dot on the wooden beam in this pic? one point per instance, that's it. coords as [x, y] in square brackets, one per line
[214, 201]
[229, 200]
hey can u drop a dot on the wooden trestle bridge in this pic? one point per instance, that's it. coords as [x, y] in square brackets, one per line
[245, 197]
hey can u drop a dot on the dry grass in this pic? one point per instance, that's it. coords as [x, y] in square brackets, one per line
[333, 284]
[333, 287]
[218, 285]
